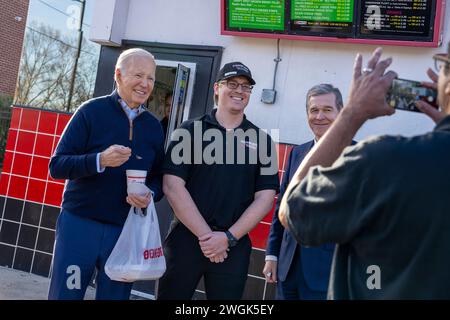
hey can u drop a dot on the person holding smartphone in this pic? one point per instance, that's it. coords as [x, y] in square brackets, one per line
[384, 201]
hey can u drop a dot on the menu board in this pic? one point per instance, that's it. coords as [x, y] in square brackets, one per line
[256, 14]
[318, 16]
[397, 20]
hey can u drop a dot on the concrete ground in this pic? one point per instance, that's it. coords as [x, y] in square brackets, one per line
[19, 285]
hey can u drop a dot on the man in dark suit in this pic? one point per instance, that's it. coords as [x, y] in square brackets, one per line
[302, 272]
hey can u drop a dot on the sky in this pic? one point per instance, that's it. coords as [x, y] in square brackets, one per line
[63, 15]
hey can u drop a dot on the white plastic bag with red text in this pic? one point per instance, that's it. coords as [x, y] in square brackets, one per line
[138, 254]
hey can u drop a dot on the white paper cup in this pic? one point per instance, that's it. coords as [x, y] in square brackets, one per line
[136, 176]
[138, 188]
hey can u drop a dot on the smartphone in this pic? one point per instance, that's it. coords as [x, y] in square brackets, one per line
[404, 93]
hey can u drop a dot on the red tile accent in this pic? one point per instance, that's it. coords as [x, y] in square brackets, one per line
[55, 144]
[21, 166]
[269, 215]
[281, 151]
[284, 147]
[259, 235]
[39, 168]
[36, 190]
[47, 122]
[7, 161]
[55, 180]
[29, 119]
[11, 141]
[62, 121]
[17, 187]
[4, 179]
[53, 196]
[44, 145]
[25, 142]
[15, 118]
[288, 152]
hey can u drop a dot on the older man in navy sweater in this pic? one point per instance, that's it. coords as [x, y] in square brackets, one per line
[105, 136]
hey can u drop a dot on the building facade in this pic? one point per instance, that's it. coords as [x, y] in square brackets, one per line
[189, 33]
[171, 23]
[12, 30]
[185, 38]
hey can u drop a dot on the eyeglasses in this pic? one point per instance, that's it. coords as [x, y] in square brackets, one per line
[233, 85]
[441, 60]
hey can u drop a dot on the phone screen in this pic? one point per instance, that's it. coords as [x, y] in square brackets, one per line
[404, 93]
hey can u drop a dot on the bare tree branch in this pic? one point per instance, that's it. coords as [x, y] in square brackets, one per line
[46, 66]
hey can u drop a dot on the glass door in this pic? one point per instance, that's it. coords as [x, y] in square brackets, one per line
[179, 112]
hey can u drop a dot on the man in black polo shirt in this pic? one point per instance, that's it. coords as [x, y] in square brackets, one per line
[221, 177]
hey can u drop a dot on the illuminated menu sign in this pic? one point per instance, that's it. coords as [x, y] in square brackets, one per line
[256, 14]
[407, 20]
[396, 19]
[320, 16]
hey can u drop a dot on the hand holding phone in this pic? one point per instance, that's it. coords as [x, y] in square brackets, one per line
[403, 95]
[435, 114]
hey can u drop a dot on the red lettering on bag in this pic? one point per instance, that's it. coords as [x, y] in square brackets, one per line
[153, 253]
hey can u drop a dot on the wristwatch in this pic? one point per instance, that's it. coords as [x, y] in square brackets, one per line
[232, 241]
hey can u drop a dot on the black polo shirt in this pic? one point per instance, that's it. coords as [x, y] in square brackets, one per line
[222, 168]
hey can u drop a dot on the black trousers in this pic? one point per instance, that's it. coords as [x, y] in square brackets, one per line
[186, 264]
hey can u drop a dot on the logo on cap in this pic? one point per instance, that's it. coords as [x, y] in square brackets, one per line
[241, 66]
[233, 69]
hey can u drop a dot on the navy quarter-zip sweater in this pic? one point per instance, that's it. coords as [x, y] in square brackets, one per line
[96, 125]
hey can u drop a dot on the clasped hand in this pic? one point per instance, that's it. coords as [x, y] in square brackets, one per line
[214, 246]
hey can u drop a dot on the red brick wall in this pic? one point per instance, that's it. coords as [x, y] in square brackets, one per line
[11, 39]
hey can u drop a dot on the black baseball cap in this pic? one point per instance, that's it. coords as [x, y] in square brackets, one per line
[235, 69]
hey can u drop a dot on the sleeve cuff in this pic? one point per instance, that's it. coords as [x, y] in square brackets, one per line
[99, 168]
[176, 172]
[271, 258]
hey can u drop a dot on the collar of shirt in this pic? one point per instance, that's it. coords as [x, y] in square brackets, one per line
[211, 118]
[131, 113]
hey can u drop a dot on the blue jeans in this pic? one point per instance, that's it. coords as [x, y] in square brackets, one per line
[81, 246]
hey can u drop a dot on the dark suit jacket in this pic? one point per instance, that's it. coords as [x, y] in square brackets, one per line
[315, 261]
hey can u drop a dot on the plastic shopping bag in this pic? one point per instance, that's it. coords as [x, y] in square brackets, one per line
[138, 253]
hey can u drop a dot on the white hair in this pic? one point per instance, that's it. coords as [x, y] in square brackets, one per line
[128, 54]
